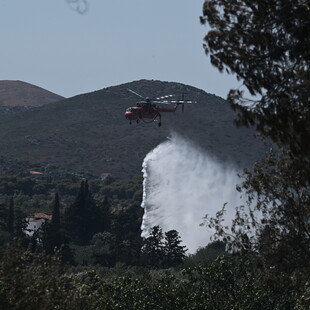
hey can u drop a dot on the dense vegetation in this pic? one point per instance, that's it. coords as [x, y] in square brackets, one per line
[91, 254]
[89, 228]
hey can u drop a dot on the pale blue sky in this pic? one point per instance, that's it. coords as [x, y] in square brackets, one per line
[46, 43]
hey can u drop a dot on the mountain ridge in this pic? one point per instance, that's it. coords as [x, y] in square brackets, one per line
[88, 132]
[18, 93]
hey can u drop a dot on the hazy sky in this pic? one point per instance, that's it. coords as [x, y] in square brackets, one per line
[46, 43]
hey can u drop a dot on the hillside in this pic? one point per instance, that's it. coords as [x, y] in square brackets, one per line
[18, 93]
[89, 132]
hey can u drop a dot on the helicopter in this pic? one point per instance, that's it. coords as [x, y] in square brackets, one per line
[148, 111]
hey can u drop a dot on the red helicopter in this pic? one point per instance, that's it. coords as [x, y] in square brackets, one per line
[148, 111]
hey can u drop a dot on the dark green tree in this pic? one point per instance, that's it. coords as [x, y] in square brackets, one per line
[126, 227]
[5, 236]
[206, 255]
[265, 43]
[153, 252]
[3, 217]
[174, 251]
[54, 237]
[83, 218]
[20, 223]
[32, 280]
[104, 249]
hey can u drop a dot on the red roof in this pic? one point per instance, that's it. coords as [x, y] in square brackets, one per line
[38, 216]
[35, 172]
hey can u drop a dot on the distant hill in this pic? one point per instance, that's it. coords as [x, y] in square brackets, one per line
[18, 93]
[89, 132]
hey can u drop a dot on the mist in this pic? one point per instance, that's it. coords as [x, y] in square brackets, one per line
[182, 183]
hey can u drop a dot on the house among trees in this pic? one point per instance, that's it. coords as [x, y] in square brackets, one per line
[36, 174]
[35, 221]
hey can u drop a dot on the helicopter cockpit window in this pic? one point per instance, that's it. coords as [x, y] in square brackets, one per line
[129, 110]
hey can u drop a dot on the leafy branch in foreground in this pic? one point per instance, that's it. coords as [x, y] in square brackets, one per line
[265, 43]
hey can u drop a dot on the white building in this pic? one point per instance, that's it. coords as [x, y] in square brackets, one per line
[35, 221]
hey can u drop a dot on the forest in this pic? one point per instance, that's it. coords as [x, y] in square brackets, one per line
[91, 255]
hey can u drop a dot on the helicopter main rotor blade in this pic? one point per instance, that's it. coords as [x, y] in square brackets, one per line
[182, 101]
[164, 97]
[162, 102]
[135, 93]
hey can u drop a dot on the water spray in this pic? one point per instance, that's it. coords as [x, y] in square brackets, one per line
[181, 185]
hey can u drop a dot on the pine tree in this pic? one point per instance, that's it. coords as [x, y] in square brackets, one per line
[54, 237]
[174, 251]
[83, 218]
[153, 253]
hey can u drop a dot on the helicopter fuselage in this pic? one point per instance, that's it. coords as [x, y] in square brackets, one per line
[149, 112]
[147, 109]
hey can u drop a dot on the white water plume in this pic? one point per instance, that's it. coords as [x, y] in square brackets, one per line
[181, 185]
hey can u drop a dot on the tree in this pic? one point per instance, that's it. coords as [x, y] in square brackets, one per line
[104, 249]
[31, 280]
[153, 252]
[174, 251]
[20, 223]
[126, 227]
[265, 43]
[54, 237]
[206, 255]
[161, 252]
[83, 218]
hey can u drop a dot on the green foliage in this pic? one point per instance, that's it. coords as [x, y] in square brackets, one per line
[3, 216]
[131, 189]
[174, 251]
[83, 218]
[83, 255]
[265, 43]
[160, 252]
[12, 184]
[206, 255]
[230, 282]
[153, 248]
[126, 227]
[5, 237]
[30, 281]
[103, 249]
[284, 204]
